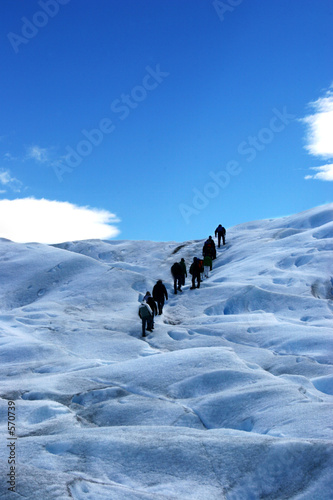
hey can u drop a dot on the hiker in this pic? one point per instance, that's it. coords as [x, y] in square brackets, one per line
[159, 293]
[152, 304]
[208, 265]
[183, 266]
[209, 248]
[195, 271]
[177, 273]
[220, 233]
[146, 315]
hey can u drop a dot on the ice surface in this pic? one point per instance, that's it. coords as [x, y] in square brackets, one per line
[231, 396]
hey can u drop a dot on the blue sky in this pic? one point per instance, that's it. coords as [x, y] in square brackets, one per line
[160, 119]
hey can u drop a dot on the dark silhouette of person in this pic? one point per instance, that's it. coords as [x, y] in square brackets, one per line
[159, 294]
[177, 274]
[195, 271]
[220, 232]
[209, 248]
[183, 266]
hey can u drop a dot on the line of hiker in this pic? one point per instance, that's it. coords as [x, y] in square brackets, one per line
[199, 270]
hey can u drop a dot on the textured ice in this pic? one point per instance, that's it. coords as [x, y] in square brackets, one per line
[230, 398]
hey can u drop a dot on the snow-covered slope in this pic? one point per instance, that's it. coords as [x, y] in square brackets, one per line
[230, 397]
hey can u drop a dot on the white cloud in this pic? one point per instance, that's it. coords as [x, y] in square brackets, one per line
[320, 127]
[319, 139]
[7, 181]
[325, 173]
[9, 157]
[4, 177]
[45, 221]
[41, 155]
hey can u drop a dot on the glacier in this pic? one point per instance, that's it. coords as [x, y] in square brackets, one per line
[231, 396]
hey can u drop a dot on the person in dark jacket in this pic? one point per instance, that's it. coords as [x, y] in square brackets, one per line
[220, 233]
[177, 274]
[152, 304]
[159, 294]
[183, 266]
[209, 248]
[195, 271]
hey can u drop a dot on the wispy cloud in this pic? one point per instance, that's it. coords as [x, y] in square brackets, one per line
[325, 173]
[34, 152]
[319, 138]
[46, 156]
[49, 158]
[9, 157]
[46, 221]
[41, 155]
[9, 182]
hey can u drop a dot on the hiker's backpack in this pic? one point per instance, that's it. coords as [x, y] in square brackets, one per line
[145, 311]
[176, 269]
